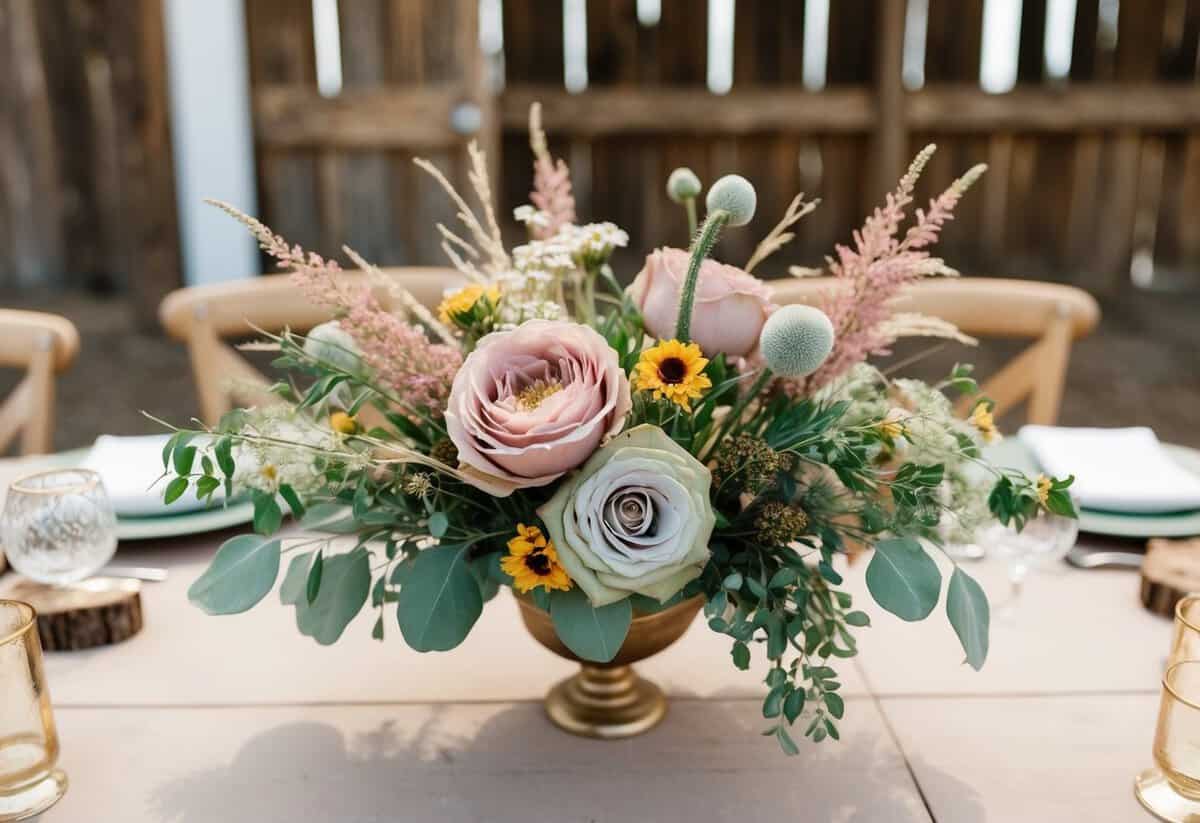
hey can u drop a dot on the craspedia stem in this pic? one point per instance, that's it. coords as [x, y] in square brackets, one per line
[703, 244]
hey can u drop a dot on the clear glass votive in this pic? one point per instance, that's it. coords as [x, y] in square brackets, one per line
[29, 781]
[1185, 645]
[1171, 790]
[58, 526]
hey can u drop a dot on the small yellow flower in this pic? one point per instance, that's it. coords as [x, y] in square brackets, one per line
[532, 561]
[463, 300]
[1043, 489]
[983, 420]
[343, 423]
[673, 370]
[892, 425]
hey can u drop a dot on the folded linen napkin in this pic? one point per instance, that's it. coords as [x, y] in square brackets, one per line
[1120, 470]
[129, 466]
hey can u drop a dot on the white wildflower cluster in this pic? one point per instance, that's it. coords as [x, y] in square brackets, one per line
[531, 217]
[528, 295]
[266, 465]
[591, 245]
[551, 256]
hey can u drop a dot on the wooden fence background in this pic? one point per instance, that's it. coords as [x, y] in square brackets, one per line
[1083, 173]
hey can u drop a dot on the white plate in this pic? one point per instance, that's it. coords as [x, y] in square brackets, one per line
[178, 525]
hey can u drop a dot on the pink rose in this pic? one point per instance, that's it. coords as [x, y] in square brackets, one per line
[532, 403]
[731, 305]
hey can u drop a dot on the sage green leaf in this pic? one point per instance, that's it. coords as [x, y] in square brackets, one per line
[592, 634]
[293, 499]
[967, 608]
[345, 583]
[175, 489]
[268, 517]
[438, 524]
[904, 579]
[295, 579]
[312, 587]
[439, 600]
[242, 572]
[741, 655]
[835, 704]
[332, 517]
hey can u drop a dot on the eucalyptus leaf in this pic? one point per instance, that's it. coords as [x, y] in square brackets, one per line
[175, 489]
[345, 584]
[295, 579]
[904, 579]
[268, 517]
[440, 600]
[592, 634]
[967, 608]
[242, 572]
[312, 586]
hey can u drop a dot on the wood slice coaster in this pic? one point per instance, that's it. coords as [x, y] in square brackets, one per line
[99, 611]
[1170, 571]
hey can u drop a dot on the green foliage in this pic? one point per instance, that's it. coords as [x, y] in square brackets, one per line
[241, 573]
[904, 579]
[343, 582]
[592, 633]
[967, 608]
[440, 600]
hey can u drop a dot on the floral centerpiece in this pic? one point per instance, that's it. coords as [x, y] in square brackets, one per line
[610, 453]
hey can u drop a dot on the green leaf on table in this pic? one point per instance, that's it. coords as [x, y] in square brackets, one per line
[242, 572]
[345, 584]
[312, 586]
[440, 600]
[904, 579]
[835, 704]
[592, 634]
[967, 608]
[295, 579]
[268, 517]
[175, 489]
[857, 619]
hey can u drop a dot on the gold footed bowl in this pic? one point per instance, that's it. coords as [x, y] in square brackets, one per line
[609, 700]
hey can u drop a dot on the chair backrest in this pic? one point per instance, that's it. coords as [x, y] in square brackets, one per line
[43, 345]
[1050, 314]
[203, 316]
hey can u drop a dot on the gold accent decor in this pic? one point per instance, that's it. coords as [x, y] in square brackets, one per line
[609, 700]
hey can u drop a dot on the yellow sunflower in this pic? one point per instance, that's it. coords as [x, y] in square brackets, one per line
[673, 370]
[463, 300]
[532, 561]
[983, 420]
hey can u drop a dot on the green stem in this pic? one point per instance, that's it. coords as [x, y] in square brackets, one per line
[735, 413]
[703, 244]
[690, 205]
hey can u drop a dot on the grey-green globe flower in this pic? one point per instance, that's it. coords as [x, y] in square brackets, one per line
[635, 519]
[333, 345]
[796, 340]
[734, 195]
[683, 184]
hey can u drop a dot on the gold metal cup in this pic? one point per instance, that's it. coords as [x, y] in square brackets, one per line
[1171, 790]
[30, 783]
[609, 700]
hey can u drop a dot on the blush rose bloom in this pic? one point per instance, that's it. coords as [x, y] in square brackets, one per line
[532, 403]
[636, 519]
[730, 309]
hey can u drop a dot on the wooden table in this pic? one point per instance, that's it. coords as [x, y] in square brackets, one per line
[242, 719]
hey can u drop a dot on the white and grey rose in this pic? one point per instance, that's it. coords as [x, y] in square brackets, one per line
[636, 519]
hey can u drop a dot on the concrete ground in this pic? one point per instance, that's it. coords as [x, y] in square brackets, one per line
[1141, 367]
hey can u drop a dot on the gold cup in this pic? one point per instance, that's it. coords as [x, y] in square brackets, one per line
[1171, 790]
[29, 781]
[1185, 645]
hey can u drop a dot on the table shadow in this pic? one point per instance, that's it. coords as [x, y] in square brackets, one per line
[705, 763]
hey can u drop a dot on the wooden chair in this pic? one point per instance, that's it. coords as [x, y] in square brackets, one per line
[204, 316]
[43, 345]
[1049, 314]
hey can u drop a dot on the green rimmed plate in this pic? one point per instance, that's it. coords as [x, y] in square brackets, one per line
[1012, 454]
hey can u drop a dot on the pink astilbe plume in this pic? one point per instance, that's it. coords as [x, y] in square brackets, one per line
[403, 358]
[878, 268]
[552, 192]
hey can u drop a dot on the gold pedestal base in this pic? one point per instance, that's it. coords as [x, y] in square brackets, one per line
[33, 799]
[1160, 798]
[606, 702]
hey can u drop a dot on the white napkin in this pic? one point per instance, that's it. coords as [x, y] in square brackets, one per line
[1120, 470]
[129, 466]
